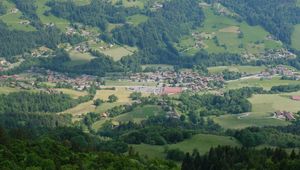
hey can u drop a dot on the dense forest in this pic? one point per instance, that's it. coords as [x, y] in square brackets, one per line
[97, 13]
[274, 15]
[66, 148]
[26, 102]
[225, 158]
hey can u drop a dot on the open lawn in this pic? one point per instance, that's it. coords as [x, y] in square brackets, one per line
[255, 82]
[201, 142]
[78, 58]
[42, 8]
[13, 20]
[263, 107]
[137, 115]
[137, 19]
[6, 90]
[241, 69]
[73, 93]
[140, 113]
[296, 36]
[121, 93]
[227, 30]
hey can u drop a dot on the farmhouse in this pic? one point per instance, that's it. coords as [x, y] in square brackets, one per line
[285, 115]
[172, 90]
[297, 98]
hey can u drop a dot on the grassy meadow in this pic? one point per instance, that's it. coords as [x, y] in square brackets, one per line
[227, 30]
[256, 82]
[240, 69]
[263, 107]
[296, 37]
[201, 142]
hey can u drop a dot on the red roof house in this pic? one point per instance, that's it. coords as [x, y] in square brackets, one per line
[172, 90]
[296, 98]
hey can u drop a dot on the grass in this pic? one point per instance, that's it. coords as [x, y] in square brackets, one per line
[296, 36]
[83, 108]
[13, 19]
[128, 3]
[118, 52]
[140, 113]
[78, 58]
[241, 69]
[137, 19]
[263, 107]
[226, 30]
[255, 82]
[42, 8]
[73, 93]
[201, 142]
[7, 90]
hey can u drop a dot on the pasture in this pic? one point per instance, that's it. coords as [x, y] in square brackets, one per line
[226, 30]
[296, 37]
[13, 19]
[83, 108]
[201, 142]
[256, 82]
[137, 19]
[42, 8]
[240, 69]
[127, 83]
[263, 107]
[73, 93]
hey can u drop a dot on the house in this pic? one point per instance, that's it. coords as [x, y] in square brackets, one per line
[285, 115]
[297, 98]
[172, 90]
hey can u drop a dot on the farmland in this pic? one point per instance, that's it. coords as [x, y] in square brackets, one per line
[13, 18]
[240, 69]
[263, 107]
[256, 82]
[226, 31]
[295, 37]
[201, 142]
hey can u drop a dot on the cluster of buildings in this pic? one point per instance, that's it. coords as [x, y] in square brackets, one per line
[78, 83]
[289, 116]
[279, 70]
[157, 90]
[186, 79]
[278, 54]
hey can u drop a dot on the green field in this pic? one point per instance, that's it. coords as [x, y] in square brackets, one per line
[127, 83]
[201, 142]
[42, 8]
[73, 93]
[13, 19]
[78, 58]
[241, 69]
[255, 82]
[6, 90]
[137, 19]
[296, 37]
[139, 114]
[263, 107]
[130, 3]
[226, 30]
[83, 108]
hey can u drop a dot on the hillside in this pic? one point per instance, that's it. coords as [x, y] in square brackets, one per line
[149, 84]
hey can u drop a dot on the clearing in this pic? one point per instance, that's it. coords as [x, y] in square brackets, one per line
[201, 142]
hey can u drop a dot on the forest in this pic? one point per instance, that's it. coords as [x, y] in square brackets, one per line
[225, 158]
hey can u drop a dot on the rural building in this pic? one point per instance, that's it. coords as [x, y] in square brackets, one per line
[172, 90]
[297, 98]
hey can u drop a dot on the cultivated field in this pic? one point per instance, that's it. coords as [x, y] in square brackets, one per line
[201, 142]
[73, 93]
